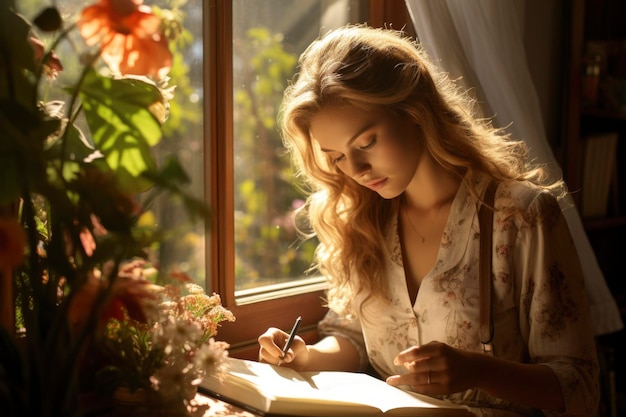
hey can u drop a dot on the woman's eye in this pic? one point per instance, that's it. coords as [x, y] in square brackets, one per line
[369, 144]
[338, 159]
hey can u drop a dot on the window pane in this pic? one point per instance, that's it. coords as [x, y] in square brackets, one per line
[268, 37]
[184, 249]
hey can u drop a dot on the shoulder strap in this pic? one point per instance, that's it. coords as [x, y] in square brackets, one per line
[485, 219]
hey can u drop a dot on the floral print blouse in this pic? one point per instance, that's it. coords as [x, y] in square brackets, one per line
[540, 310]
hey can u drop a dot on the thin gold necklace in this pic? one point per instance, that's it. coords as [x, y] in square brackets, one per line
[407, 215]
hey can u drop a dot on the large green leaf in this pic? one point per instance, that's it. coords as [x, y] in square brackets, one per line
[73, 150]
[122, 125]
[171, 178]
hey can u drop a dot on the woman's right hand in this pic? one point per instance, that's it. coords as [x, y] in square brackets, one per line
[271, 349]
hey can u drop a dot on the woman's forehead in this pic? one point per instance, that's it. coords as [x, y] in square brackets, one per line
[339, 125]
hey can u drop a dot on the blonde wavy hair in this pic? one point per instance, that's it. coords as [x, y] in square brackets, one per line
[369, 68]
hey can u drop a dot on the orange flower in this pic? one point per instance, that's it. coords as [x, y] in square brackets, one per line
[129, 295]
[12, 243]
[130, 34]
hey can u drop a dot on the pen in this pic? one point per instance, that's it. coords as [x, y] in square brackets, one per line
[292, 334]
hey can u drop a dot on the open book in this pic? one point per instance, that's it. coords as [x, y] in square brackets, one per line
[268, 389]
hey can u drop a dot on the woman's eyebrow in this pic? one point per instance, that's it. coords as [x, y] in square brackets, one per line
[354, 137]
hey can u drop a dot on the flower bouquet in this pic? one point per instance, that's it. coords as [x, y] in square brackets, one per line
[157, 355]
[71, 168]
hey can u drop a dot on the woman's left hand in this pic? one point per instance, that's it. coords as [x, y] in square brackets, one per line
[436, 368]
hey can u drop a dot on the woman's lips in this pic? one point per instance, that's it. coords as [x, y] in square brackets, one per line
[377, 184]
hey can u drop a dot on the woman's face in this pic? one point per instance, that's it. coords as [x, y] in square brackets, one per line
[375, 148]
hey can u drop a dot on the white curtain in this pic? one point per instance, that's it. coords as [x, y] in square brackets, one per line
[480, 43]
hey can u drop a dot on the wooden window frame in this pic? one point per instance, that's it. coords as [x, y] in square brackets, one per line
[254, 318]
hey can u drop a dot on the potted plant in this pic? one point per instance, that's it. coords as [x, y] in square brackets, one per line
[70, 230]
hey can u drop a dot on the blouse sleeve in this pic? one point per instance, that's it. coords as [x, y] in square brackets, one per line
[554, 311]
[334, 324]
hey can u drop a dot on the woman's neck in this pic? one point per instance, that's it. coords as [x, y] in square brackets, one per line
[431, 187]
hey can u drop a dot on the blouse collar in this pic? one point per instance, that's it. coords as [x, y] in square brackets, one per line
[460, 229]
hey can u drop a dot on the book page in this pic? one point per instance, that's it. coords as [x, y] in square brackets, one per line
[272, 381]
[280, 390]
[366, 389]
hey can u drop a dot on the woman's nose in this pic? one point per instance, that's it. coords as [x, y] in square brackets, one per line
[357, 166]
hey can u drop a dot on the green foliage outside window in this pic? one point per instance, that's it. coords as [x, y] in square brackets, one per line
[268, 249]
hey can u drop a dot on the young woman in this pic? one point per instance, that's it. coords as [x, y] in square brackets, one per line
[397, 164]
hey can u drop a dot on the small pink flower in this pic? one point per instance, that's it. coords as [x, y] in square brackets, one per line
[87, 241]
[52, 65]
[181, 277]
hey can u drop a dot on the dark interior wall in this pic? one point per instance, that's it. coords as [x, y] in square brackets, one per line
[545, 49]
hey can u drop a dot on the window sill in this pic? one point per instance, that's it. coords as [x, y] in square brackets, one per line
[275, 291]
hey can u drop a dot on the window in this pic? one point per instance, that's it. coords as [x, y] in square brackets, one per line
[257, 264]
[257, 259]
[232, 64]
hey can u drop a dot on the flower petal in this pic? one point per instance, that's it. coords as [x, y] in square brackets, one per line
[130, 37]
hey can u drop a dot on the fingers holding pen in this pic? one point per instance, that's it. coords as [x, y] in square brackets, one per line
[271, 345]
[290, 339]
[295, 355]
